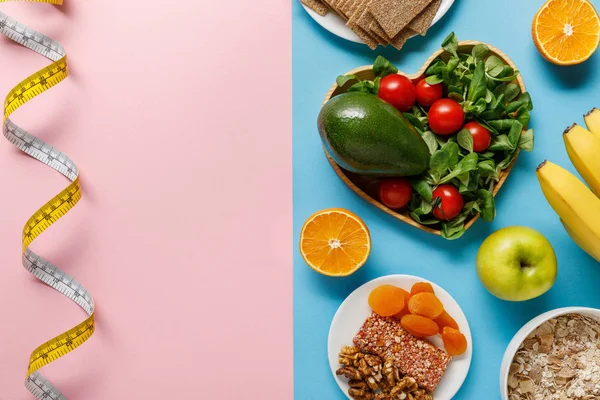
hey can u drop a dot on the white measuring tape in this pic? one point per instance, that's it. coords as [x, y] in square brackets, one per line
[54, 209]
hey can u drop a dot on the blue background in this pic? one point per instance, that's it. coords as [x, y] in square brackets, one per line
[561, 95]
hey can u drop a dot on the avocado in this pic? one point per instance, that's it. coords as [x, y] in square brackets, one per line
[366, 135]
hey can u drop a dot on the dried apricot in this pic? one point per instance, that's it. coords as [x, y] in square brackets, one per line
[421, 287]
[402, 313]
[426, 305]
[405, 310]
[446, 320]
[454, 341]
[419, 326]
[387, 300]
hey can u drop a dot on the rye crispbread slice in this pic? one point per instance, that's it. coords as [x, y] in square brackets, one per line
[331, 4]
[316, 5]
[356, 10]
[341, 8]
[364, 36]
[365, 20]
[400, 39]
[358, 25]
[422, 22]
[395, 15]
[376, 28]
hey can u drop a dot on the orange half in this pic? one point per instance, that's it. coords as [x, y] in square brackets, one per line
[566, 32]
[335, 242]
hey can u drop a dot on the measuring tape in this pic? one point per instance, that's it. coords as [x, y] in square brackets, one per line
[54, 209]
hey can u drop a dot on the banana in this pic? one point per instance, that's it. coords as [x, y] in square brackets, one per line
[574, 203]
[583, 148]
[591, 248]
[592, 121]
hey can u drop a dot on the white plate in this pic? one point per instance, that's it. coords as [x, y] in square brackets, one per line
[355, 309]
[337, 25]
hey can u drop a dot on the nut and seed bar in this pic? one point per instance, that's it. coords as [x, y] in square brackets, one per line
[413, 357]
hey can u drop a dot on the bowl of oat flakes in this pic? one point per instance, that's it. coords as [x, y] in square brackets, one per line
[555, 356]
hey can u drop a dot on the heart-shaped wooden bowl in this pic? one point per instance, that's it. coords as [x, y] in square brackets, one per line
[366, 187]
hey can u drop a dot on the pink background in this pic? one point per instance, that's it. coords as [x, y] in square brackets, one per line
[178, 114]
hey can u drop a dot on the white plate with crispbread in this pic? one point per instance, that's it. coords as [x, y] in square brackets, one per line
[377, 22]
[353, 312]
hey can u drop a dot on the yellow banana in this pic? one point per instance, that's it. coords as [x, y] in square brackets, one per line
[590, 247]
[583, 148]
[592, 121]
[574, 203]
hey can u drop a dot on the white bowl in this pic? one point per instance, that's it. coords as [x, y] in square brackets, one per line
[529, 327]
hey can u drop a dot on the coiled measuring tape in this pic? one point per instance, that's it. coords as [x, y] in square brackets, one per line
[54, 209]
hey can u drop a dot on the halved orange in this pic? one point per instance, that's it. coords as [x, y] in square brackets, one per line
[566, 32]
[335, 242]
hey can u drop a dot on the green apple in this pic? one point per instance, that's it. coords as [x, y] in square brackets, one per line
[516, 263]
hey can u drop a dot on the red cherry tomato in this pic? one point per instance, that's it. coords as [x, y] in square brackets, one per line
[397, 90]
[427, 94]
[482, 138]
[445, 117]
[395, 193]
[452, 202]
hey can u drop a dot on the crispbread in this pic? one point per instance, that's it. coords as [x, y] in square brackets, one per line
[364, 36]
[376, 28]
[331, 4]
[422, 22]
[359, 8]
[346, 5]
[364, 21]
[401, 38]
[341, 7]
[381, 21]
[395, 15]
[316, 5]
[356, 11]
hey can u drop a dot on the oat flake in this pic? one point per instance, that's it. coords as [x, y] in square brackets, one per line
[560, 360]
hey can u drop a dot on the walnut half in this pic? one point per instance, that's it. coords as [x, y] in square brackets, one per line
[371, 378]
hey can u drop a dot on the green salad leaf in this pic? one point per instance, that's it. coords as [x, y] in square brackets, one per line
[450, 44]
[465, 140]
[526, 142]
[486, 205]
[480, 52]
[477, 87]
[363, 87]
[383, 68]
[343, 79]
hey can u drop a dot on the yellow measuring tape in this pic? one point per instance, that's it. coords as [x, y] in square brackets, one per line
[54, 209]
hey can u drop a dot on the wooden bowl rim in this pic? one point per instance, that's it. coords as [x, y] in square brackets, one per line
[406, 218]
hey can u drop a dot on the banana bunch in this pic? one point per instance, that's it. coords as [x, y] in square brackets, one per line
[577, 206]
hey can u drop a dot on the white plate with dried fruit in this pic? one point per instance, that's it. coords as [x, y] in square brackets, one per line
[400, 334]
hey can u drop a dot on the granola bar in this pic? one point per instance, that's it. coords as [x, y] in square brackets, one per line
[414, 357]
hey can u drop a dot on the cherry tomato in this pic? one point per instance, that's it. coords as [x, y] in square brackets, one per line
[397, 90]
[427, 94]
[395, 193]
[452, 202]
[482, 138]
[445, 117]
